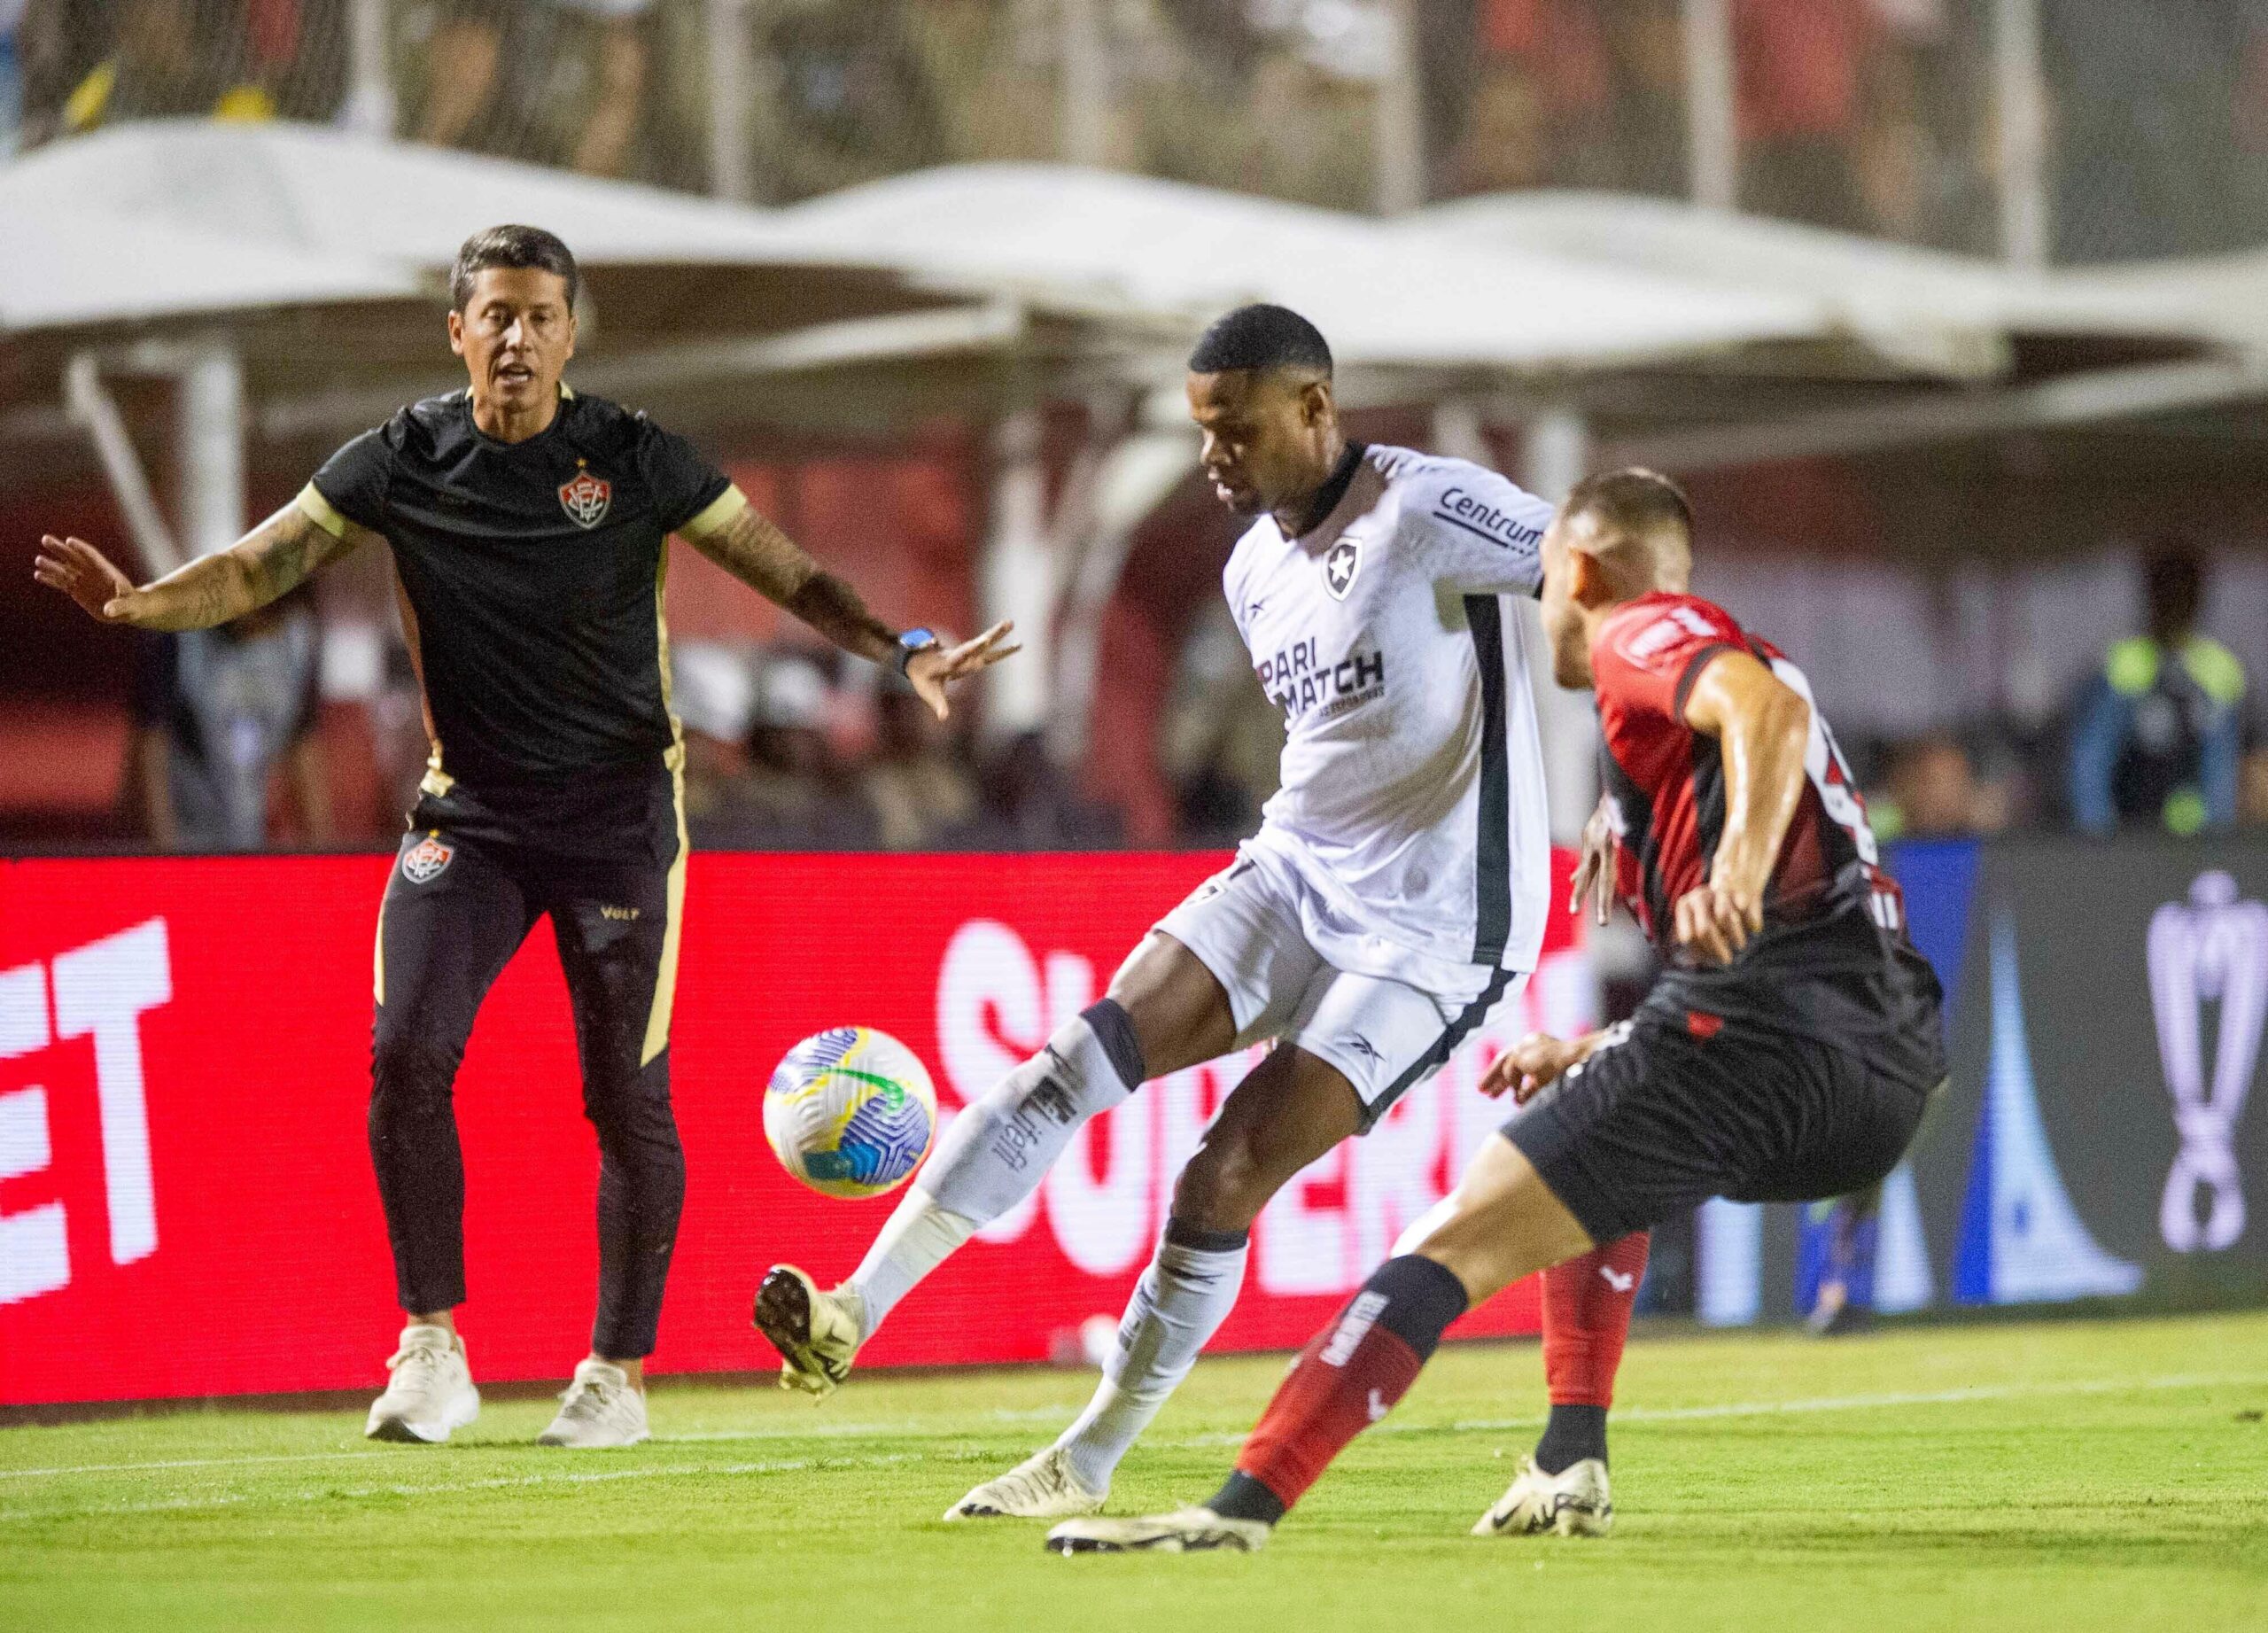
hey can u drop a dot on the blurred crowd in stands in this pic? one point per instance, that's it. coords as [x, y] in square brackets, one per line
[1874, 115]
[795, 747]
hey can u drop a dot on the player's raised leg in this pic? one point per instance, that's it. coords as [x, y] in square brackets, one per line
[616, 929]
[1294, 1108]
[451, 920]
[1587, 1304]
[1502, 1223]
[1164, 1011]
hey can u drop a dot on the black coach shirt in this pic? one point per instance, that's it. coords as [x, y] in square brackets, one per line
[532, 576]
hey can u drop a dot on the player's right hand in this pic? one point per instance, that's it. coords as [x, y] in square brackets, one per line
[1714, 922]
[1529, 1066]
[84, 573]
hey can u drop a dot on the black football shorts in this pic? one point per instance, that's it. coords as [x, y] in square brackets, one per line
[1661, 1118]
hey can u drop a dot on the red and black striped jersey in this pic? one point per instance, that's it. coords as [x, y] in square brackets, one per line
[1832, 915]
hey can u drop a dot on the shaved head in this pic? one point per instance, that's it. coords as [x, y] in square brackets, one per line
[1637, 525]
[1620, 535]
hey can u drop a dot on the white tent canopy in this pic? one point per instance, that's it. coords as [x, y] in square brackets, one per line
[1387, 296]
[71, 266]
[1936, 310]
[325, 192]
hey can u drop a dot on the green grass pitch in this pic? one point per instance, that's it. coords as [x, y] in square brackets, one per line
[2069, 1475]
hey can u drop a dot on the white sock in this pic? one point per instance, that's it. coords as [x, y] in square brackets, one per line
[1180, 1302]
[917, 1238]
[996, 1151]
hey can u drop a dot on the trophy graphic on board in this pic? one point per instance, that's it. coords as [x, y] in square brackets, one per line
[2213, 949]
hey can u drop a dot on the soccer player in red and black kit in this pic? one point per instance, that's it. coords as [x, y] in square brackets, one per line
[529, 529]
[1786, 1053]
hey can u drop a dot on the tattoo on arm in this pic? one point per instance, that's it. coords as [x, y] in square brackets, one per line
[266, 563]
[767, 561]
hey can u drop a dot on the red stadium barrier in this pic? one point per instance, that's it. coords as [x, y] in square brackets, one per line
[186, 1206]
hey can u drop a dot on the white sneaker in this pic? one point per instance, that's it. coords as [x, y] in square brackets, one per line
[1042, 1487]
[431, 1394]
[599, 1409]
[815, 1332]
[1185, 1530]
[1574, 1502]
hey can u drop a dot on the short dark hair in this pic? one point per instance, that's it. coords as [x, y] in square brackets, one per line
[1261, 336]
[511, 246]
[1635, 501]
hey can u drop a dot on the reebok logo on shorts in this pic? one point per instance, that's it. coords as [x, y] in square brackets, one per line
[424, 860]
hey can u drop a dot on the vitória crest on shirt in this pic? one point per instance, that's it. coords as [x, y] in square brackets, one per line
[586, 497]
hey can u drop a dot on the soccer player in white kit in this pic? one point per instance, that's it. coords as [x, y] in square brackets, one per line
[1392, 900]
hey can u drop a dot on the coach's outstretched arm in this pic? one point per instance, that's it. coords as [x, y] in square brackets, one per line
[1763, 727]
[212, 589]
[757, 553]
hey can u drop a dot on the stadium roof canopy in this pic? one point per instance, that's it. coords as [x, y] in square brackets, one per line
[99, 265]
[2012, 349]
[259, 231]
[1393, 302]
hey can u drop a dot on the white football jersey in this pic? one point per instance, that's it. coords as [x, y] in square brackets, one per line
[1412, 792]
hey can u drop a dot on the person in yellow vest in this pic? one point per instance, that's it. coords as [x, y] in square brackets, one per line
[2157, 736]
[159, 67]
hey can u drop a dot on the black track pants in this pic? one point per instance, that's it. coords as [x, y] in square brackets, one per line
[455, 911]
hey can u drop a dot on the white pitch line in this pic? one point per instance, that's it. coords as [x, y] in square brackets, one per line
[787, 1466]
[235, 1462]
[1628, 1414]
[820, 1431]
[1869, 1402]
[1772, 1409]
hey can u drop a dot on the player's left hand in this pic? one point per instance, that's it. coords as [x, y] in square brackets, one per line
[1714, 922]
[1594, 870]
[1529, 1066]
[935, 668]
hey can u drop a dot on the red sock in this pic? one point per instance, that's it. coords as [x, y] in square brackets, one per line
[1351, 1374]
[1587, 1319]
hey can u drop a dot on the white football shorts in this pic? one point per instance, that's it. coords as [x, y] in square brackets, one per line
[1245, 925]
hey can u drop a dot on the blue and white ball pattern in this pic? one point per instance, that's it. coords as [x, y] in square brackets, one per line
[850, 1112]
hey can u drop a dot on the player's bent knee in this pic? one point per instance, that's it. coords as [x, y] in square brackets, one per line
[1179, 1010]
[1228, 1181]
[1502, 1223]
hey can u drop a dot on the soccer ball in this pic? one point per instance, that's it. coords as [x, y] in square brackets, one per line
[850, 1112]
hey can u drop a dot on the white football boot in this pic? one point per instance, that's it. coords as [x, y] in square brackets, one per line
[1042, 1487]
[600, 1409]
[815, 1332]
[431, 1394]
[1185, 1530]
[1574, 1502]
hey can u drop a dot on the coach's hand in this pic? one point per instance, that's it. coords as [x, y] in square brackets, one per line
[935, 668]
[85, 574]
[1525, 1068]
[1715, 922]
[1595, 871]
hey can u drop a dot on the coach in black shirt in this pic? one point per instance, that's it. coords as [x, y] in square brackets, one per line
[527, 526]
